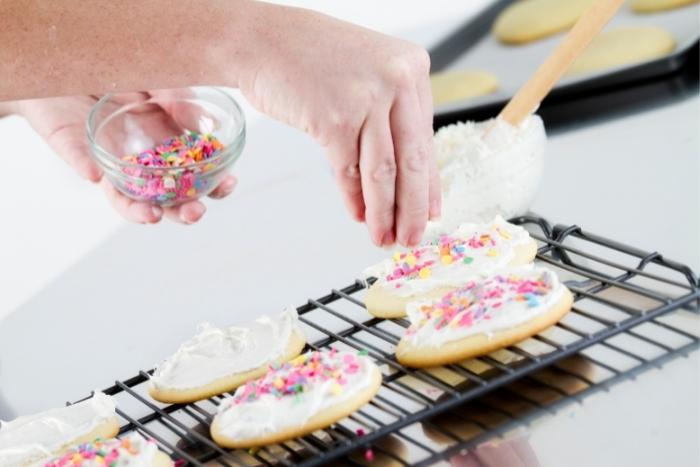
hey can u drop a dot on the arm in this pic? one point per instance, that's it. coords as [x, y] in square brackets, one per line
[73, 47]
[365, 97]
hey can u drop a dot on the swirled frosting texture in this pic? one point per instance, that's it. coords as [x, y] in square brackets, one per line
[215, 353]
[34, 437]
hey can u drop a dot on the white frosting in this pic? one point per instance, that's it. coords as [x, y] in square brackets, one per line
[33, 437]
[492, 255]
[214, 353]
[489, 310]
[241, 418]
[133, 451]
[484, 176]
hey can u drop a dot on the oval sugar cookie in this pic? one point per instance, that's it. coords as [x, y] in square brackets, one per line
[28, 439]
[130, 451]
[623, 46]
[485, 315]
[528, 20]
[453, 86]
[307, 394]
[431, 270]
[218, 360]
[651, 6]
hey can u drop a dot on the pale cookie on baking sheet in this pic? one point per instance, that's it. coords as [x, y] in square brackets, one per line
[31, 438]
[652, 6]
[623, 46]
[486, 314]
[130, 451]
[307, 394]
[528, 20]
[433, 269]
[458, 85]
[218, 360]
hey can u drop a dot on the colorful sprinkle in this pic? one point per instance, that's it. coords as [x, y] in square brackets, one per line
[110, 453]
[298, 376]
[478, 300]
[176, 177]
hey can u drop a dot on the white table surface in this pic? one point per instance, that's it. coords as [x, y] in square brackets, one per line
[88, 298]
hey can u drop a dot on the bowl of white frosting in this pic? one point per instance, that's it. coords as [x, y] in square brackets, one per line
[487, 173]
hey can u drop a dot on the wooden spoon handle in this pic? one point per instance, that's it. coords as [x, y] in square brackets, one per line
[528, 97]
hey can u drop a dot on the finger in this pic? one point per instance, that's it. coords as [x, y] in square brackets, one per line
[466, 459]
[498, 454]
[187, 213]
[344, 160]
[412, 149]
[434, 191]
[225, 188]
[133, 211]
[378, 178]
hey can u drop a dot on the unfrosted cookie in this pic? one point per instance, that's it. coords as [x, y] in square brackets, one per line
[31, 438]
[130, 451]
[484, 315]
[651, 6]
[453, 86]
[218, 360]
[529, 20]
[432, 270]
[623, 46]
[309, 393]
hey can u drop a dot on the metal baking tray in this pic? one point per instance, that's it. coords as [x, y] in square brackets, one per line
[633, 310]
[575, 99]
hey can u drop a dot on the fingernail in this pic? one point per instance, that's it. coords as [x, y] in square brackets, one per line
[388, 239]
[157, 212]
[414, 239]
[435, 209]
[193, 213]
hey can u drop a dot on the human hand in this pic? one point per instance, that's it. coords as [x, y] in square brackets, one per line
[61, 122]
[366, 98]
[510, 453]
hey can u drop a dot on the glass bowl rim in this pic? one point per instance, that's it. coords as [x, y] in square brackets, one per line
[99, 152]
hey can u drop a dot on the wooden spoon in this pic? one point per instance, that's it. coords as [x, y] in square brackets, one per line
[528, 97]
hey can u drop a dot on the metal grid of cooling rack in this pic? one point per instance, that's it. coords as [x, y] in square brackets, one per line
[620, 324]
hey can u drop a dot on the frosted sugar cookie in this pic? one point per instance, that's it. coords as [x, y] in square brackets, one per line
[623, 46]
[31, 438]
[131, 451]
[482, 316]
[431, 270]
[651, 6]
[529, 20]
[453, 86]
[218, 360]
[309, 393]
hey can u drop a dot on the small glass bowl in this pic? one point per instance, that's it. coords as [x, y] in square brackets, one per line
[122, 128]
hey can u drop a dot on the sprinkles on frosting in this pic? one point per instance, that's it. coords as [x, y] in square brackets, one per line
[477, 301]
[108, 453]
[178, 154]
[298, 376]
[447, 250]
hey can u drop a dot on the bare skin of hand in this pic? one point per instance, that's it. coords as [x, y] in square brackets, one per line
[61, 122]
[364, 96]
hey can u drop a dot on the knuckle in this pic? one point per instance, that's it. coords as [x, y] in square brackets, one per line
[349, 171]
[385, 170]
[401, 74]
[421, 60]
[416, 161]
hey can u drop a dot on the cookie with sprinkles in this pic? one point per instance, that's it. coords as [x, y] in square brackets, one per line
[307, 394]
[484, 315]
[131, 451]
[433, 269]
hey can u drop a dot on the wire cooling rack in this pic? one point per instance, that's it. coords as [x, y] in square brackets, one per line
[620, 325]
